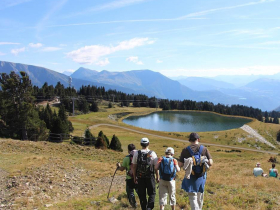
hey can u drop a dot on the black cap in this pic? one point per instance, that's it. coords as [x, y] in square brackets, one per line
[194, 136]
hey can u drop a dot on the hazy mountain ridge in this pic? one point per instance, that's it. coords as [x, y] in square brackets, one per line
[204, 84]
[256, 94]
[40, 75]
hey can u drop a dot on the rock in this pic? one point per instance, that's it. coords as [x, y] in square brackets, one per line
[48, 205]
[113, 200]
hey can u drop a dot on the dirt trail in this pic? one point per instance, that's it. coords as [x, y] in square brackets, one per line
[174, 139]
[254, 133]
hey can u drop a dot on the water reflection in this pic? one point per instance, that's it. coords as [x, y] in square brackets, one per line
[185, 121]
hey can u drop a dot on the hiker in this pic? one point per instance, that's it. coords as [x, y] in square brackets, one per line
[167, 166]
[195, 160]
[144, 161]
[258, 171]
[127, 165]
[273, 172]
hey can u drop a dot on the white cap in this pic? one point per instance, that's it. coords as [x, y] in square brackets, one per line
[145, 140]
[170, 149]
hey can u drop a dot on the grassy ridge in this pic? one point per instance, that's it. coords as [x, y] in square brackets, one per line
[230, 184]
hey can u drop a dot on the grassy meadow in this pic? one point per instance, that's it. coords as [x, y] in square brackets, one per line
[68, 176]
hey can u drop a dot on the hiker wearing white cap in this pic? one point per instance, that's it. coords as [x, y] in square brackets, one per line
[144, 162]
[201, 160]
[258, 171]
[167, 166]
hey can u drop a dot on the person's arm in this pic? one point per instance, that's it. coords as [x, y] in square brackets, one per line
[121, 167]
[210, 162]
[134, 172]
[182, 156]
[157, 175]
[158, 164]
[134, 166]
[180, 164]
[176, 165]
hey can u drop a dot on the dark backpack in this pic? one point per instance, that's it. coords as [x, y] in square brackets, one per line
[144, 165]
[198, 169]
[167, 169]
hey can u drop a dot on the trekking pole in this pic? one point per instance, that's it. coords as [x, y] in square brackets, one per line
[112, 182]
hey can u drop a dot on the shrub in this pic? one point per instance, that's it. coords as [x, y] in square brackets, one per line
[116, 144]
[278, 136]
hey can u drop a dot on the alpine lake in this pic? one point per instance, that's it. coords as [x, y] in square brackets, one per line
[186, 121]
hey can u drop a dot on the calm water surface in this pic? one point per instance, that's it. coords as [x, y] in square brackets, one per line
[185, 121]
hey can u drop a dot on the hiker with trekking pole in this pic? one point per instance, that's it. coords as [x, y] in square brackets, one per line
[167, 166]
[195, 160]
[127, 165]
[144, 161]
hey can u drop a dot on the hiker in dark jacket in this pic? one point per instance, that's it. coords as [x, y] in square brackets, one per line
[130, 185]
[194, 183]
[144, 161]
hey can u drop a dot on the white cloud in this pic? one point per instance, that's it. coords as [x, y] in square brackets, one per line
[93, 53]
[17, 51]
[50, 49]
[103, 62]
[2, 53]
[159, 61]
[134, 59]
[33, 45]
[8, 43]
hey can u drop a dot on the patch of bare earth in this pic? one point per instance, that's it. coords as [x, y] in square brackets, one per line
[54, 180]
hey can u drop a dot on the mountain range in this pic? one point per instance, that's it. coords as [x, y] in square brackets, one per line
[260, 92]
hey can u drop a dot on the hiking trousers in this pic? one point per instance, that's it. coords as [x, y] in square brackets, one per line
[146, 186]
[196, 200]
[130, 186]
[167, 188]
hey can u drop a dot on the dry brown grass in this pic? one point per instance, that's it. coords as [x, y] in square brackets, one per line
[230, 183]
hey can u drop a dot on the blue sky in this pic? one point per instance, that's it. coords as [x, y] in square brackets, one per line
[178, 37]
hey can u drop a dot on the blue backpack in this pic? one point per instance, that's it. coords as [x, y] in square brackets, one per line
[198, 169]
[167, 169]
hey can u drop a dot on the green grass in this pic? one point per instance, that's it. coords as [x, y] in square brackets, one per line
[230, 184]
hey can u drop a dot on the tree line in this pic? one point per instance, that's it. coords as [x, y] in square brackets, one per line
[20, 117]
[87, 100]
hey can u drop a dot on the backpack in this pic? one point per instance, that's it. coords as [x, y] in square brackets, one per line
[167, 169]
[130, 171]
[198, 169]
[144, 165]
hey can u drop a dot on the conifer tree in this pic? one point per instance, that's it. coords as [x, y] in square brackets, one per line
[278, 136]
[18, 111]
[116, 144]
[94, 107]
[110, 105]
[104, 137]
[88, 134]
[106, 141]
[100, 143]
